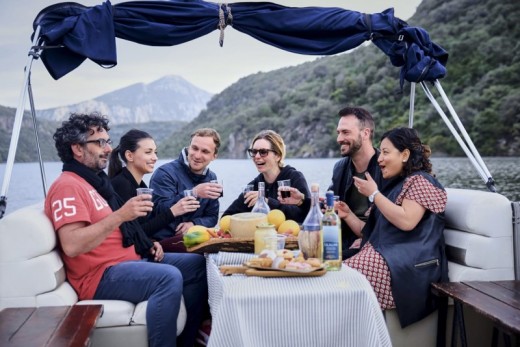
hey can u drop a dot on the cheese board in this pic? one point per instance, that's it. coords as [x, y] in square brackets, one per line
[235, 244]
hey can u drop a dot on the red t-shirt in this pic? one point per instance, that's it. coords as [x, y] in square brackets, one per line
[71, 199]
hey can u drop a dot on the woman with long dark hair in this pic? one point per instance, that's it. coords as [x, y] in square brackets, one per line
[403, 239]
[138, 152]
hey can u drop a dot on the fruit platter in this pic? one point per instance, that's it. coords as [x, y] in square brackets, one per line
[235, 233]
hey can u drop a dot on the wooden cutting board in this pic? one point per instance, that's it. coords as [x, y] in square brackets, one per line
[229, 270]
[237, 244]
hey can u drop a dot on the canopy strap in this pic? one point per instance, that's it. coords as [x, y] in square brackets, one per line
[376, 36]
[223, 22]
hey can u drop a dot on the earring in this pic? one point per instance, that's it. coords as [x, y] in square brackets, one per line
[404, 161]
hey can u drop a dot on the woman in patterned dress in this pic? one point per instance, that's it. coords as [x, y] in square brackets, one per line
[402, 240]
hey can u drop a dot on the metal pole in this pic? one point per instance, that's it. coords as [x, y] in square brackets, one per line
[17, 126]
[462, 129]
[454, 132]
[412, 104]
[38, 149]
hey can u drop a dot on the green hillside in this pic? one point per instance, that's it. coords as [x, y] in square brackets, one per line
[27, 149]
[301, 103]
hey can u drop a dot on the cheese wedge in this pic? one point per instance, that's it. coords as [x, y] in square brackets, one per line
[244, 224]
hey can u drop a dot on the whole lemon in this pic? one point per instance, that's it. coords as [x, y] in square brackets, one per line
[225, 223]
[289, 227]
[275, 217]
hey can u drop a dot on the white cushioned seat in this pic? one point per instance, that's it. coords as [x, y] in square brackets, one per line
[26, 234]
[115, 312]
[461, 273]
[32, 274]
[469, 249]
[479, 212]
[479, 236]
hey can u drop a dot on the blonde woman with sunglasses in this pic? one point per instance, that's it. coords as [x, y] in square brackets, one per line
[267, 151]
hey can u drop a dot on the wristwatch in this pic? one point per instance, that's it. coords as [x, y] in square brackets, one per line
[372, 196]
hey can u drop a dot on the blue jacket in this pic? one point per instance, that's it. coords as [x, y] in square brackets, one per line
[169, 182]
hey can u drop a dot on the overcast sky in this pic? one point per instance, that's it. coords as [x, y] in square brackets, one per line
[202, 61]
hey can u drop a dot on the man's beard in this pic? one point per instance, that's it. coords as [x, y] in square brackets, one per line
[354, 148]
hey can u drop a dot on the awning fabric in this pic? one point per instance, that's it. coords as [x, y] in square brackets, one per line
[82, 32]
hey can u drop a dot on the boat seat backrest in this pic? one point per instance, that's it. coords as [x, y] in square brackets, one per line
[479, 236]
[32, 272]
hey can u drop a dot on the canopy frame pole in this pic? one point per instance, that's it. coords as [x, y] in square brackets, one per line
[488, 180]
[36, 137]
[17, 123]
[412, 104]
[461, 127]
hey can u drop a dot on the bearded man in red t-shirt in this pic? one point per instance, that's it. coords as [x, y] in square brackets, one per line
[106, 253]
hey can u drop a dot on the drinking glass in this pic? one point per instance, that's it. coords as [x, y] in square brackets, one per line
[275, 243]
[221, 182]
[247, 188]
[190, 192]
[283, 187]
[140, 191]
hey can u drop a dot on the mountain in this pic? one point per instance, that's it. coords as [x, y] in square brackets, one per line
[301, 102]
[160, 108]
[27, 149]
[166, 99]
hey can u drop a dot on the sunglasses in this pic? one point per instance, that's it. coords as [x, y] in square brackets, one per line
[101, 142]
[263, 152]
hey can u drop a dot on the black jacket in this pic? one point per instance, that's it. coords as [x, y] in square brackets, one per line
[296, 213]
[342, 179]
[125, 185]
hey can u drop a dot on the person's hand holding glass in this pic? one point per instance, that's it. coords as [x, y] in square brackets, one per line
[295, 196]
[209, 190]
[284, 189]
[187, 204]
[250, 195]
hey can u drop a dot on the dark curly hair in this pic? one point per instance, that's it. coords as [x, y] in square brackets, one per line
[407, 138]
[76, 130]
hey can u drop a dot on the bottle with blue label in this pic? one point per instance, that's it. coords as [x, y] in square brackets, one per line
[331, 235]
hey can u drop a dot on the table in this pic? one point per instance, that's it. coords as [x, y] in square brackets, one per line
[498, 301]
[337, 309]
[50, 326]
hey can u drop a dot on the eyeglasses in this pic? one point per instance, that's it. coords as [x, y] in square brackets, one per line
[263, 152]
[101, 142]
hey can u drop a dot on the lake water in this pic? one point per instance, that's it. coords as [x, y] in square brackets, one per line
[26, 186]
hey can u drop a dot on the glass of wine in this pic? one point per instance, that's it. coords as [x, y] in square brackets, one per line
[283, 187]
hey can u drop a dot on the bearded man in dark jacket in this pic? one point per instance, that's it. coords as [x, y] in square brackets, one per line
[355, 134]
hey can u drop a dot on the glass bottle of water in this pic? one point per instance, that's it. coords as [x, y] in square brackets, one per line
[261, 205]
[309, 236]
[331, 235]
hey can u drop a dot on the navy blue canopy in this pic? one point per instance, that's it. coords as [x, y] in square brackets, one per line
[72, 32]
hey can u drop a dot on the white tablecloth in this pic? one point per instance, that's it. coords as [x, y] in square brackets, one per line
[337, 309]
